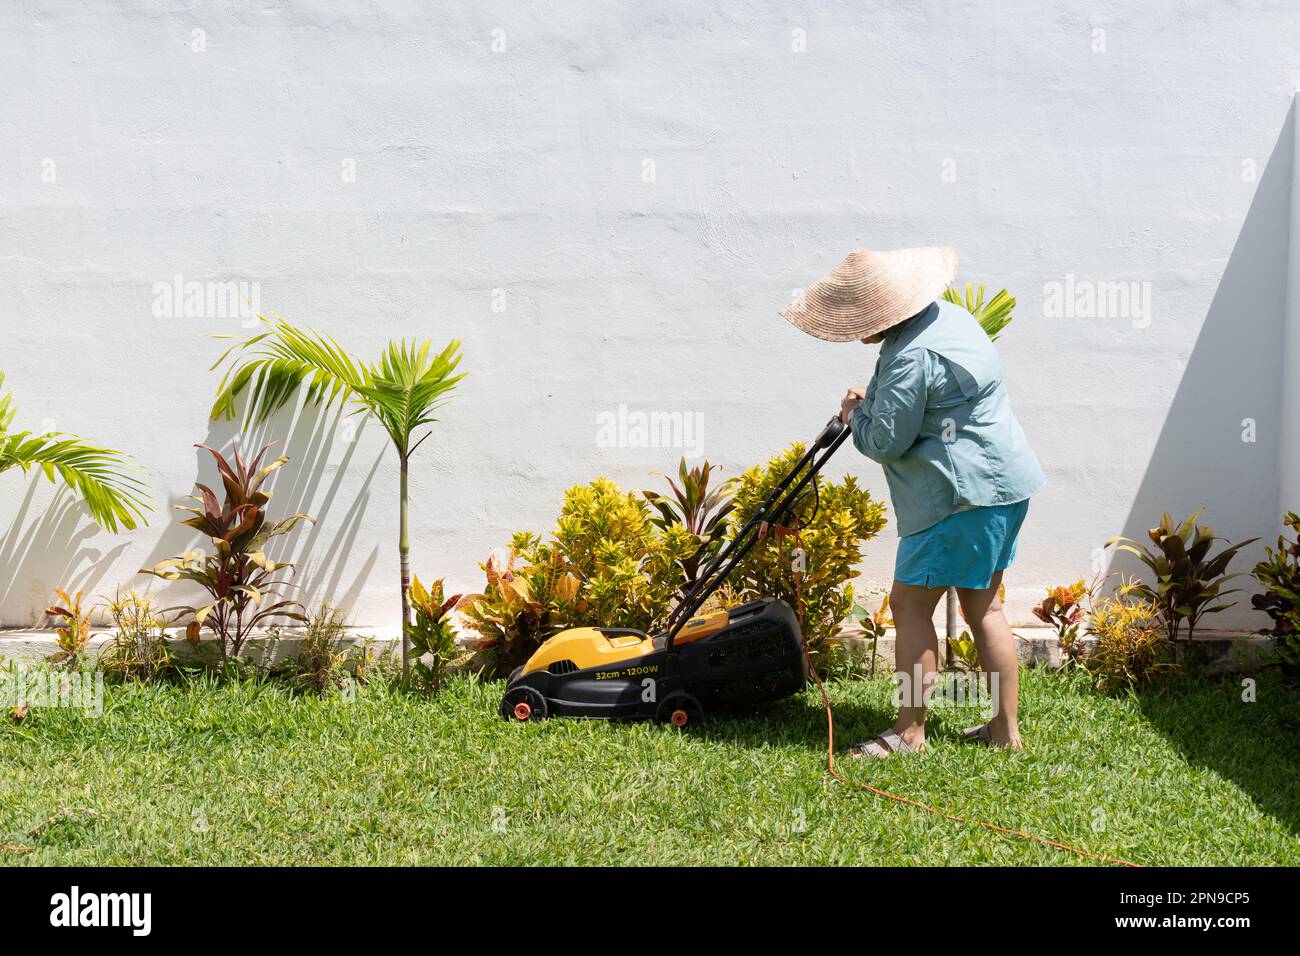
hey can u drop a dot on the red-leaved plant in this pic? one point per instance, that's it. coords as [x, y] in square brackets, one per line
[238, 576]
[74, 635]
[1063, 608]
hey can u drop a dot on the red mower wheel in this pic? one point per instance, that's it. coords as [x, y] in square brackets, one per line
[522, 704]
[681, 710]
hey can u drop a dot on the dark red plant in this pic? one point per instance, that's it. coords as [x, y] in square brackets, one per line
[239, 578]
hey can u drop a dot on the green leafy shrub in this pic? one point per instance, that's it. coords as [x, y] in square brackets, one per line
[239, 578]
[322, 659]
[629, 569]
[433, 636]
[963, 653]
[1279, 573]
[139, 647]
[612, 563]
[810, 562]
[1132, 648]
[1188, 581]
[607, 564]
[366, 661]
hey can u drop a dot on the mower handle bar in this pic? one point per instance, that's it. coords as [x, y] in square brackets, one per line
[773, 509]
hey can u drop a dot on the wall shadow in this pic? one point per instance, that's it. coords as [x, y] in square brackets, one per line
[1255, 745]
[1233, 377]
[307, 485]
[1201, 461]
[49, 549]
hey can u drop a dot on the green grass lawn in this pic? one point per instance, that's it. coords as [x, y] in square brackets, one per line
[248, 773]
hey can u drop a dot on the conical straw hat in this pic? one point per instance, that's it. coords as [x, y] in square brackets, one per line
[870, 291]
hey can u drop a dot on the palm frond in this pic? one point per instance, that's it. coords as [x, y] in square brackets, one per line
[107, 481]
[402, 389]
[406, 386]
[276, 362]
[993, 316]
[6, 406]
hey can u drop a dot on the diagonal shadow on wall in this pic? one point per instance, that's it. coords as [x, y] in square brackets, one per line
[49, 547]
[40, 552]
[1232, 384]
[305, 485]
[1204, 459]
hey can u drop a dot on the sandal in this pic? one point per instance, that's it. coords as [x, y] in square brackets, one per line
[979, 735]
[885, 745]
[984, 738]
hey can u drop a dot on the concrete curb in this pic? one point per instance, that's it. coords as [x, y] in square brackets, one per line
[1223, 651]
[1038, 646]
[30, 645]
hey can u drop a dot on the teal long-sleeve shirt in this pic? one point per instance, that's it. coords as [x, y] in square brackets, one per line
[938, 418]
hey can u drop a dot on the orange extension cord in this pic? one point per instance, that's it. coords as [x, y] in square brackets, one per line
[830, 767]
[830, 747]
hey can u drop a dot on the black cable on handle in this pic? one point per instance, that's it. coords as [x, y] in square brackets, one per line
[770, 512]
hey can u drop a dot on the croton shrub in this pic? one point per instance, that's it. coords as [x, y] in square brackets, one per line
[1064, 608]
[628, 566]
[810, 569]
[433, 637]
[606, 563]
[1132, 647]
[612, 561]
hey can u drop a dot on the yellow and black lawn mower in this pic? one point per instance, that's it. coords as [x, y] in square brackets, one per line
[743, 655]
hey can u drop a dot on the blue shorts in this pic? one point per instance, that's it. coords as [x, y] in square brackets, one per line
[964, 550]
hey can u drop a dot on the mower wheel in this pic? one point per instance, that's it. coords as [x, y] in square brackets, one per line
[681, 710]
[522, 703]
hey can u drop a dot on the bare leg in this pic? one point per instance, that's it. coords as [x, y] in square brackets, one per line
[916, 655]
[997, 648]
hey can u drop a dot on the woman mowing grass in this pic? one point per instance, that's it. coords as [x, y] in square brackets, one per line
[937, 416]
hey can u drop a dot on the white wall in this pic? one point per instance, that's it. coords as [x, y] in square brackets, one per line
[522, 170]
